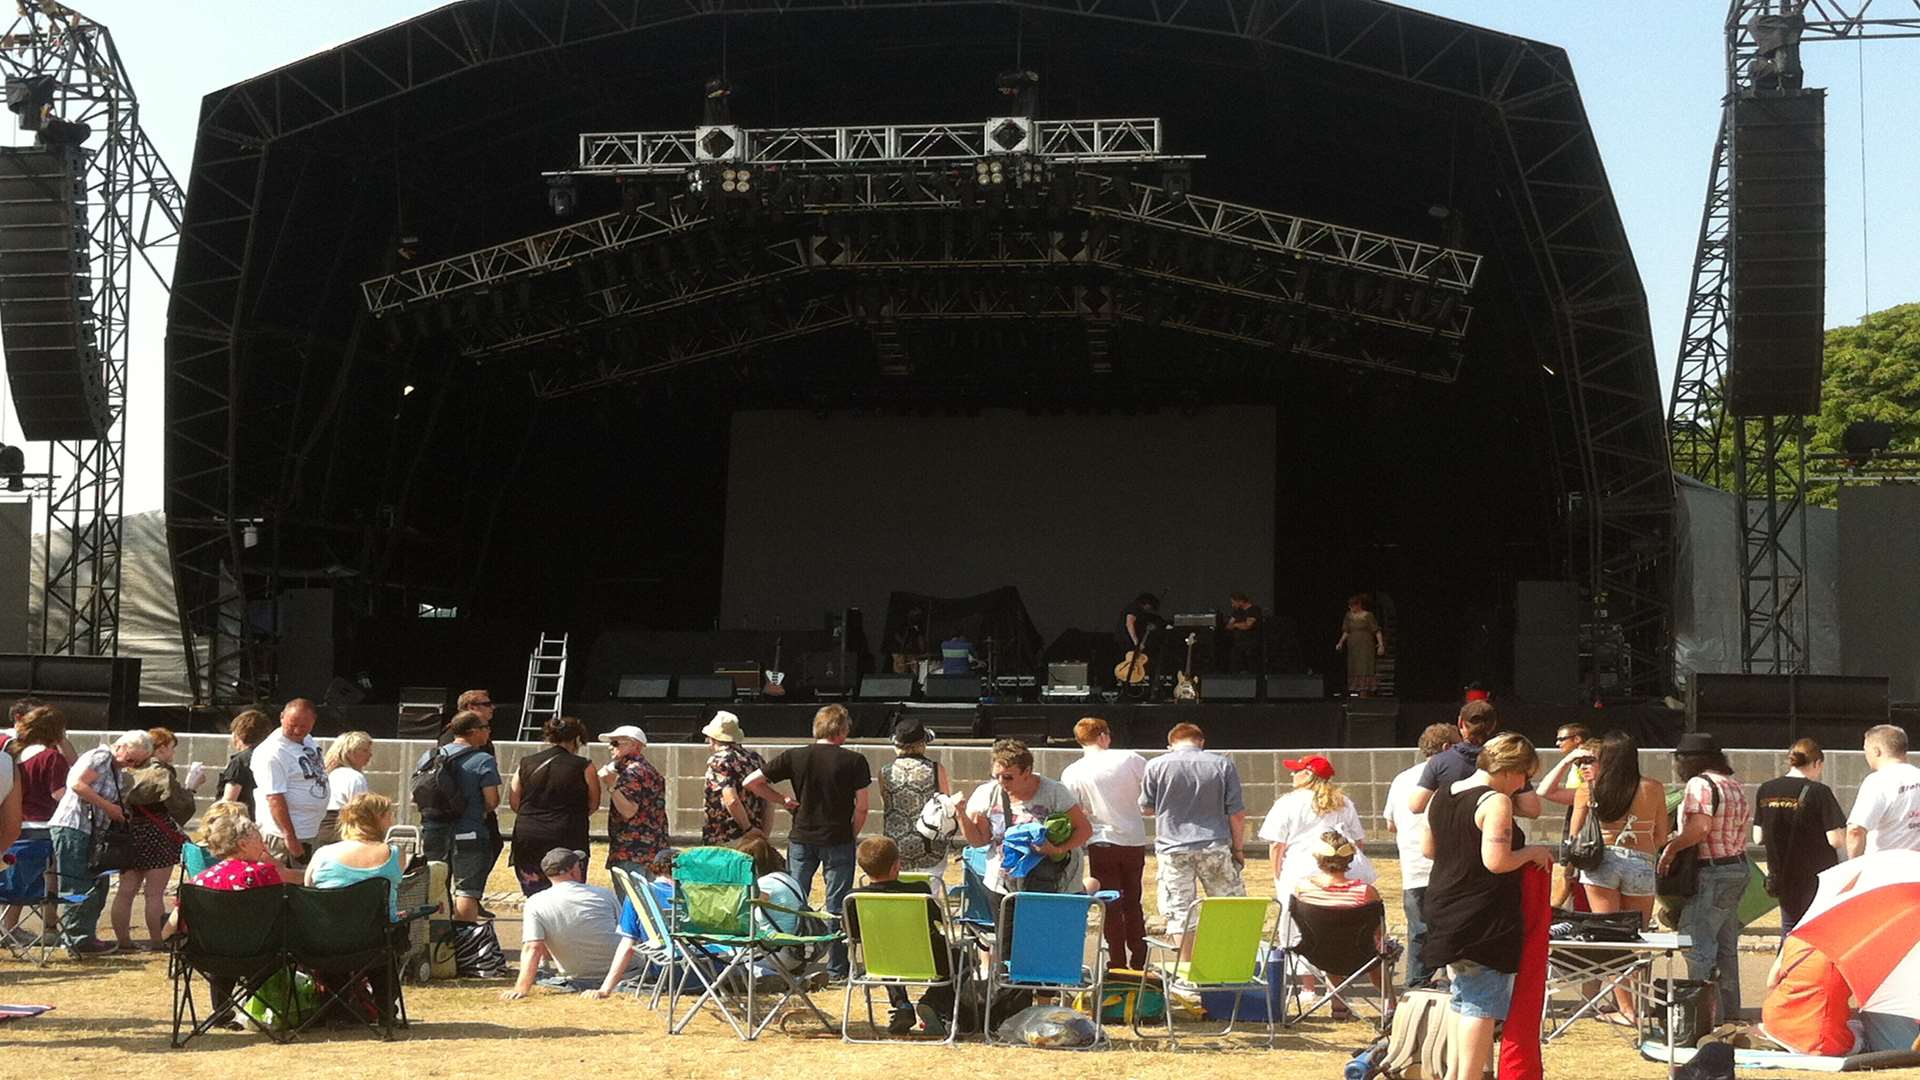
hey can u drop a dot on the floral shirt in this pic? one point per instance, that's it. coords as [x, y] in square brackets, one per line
[637, 840]
[729, 767]
[237, 875]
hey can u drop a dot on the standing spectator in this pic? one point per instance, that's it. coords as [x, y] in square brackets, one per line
[907, 782]
[1410, 836]
[290, 786]
[636, 802]
[1473, 910]
[1714, 817]
[732, 812]
[1478, 723]
[480, 703]
[92, 800]
[460, 840]
[40, 777]
[158, 803]
[12, 797]
[574, 923]
[829, 807]
[1107, 782]
[1799, 822]
[346, 759]
[1633, 823]
[1886, 813]
[236, 780]
[554, 795]
[1016, 796]
[1200, 824]
[1293, 829]
[18, 713]
[1573, 771]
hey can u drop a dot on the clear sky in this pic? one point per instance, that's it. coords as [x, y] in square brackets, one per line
[1649, 71]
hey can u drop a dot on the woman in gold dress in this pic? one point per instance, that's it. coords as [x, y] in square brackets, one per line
[1363, 640]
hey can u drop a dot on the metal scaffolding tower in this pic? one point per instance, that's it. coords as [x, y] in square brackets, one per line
[133, 207]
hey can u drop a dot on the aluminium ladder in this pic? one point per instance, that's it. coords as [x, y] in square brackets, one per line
[546, 686]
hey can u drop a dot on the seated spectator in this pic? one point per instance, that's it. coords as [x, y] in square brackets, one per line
[1807, 1005]
[231, 837]
[362, 851]
[576, 924]
[1330, 887]
[879, 859]
[633, 931]
[779, 888]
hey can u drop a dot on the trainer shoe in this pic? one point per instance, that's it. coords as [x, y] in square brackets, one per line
[930, 1018]
[80, 950]
[901, 1022]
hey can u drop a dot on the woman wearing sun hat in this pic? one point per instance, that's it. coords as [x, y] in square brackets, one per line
[731, 812]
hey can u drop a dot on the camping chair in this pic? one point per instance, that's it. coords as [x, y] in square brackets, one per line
[1346, 945]
[1226, 941]
[345, 939]
[30, 881]
[1049, 932]
[655, 951]
[194, 861]
[675, 960]
[714, 898]
[238, 936]
[895, 947]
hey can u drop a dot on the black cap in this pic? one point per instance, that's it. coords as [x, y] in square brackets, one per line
[909, 730]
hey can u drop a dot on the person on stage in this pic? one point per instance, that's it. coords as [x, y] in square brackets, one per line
[1139, 619]
[1363, 640]
[1245, 626]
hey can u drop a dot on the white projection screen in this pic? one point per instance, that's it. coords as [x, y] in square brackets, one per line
[1079, 512]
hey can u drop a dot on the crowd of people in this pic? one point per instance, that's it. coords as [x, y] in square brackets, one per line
[284, 810]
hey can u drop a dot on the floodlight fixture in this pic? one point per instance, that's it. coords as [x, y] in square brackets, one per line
[1860, 439]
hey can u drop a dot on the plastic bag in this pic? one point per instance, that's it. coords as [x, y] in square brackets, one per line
[1050, 1027]
[283, 1002]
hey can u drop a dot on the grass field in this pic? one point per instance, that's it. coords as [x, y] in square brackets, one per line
[112, 1017]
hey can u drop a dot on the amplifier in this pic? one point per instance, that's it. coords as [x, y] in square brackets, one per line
[953, 687]
[706, 688]
[1195, 619]
[744, 673]
[1070, 674]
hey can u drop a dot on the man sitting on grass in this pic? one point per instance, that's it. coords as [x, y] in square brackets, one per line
[879, 859]
[576, 924]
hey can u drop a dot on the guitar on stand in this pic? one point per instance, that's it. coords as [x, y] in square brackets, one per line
[1131, 672]
[1188, 688]
[775, 685]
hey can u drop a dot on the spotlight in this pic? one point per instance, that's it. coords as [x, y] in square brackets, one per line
[1178, 180]
[561, 196]
[407, 390]
[250, 535]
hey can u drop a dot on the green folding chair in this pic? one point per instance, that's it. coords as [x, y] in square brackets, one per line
[1225, 941]
[715, 896]
[890, 944]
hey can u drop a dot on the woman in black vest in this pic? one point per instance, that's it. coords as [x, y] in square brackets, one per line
[1472, 906]
[553, 795]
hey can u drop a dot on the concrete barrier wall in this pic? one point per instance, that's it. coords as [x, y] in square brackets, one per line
[1364, 774]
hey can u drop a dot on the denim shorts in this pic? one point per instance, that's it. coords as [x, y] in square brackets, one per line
[1624, 869]
[1479, 992]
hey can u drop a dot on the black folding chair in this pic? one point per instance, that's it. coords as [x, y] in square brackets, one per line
[235, 941]
[1346, 945]
[345, 940]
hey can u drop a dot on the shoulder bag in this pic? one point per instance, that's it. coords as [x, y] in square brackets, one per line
[1771, 883]
[1682, 877]
[112, 840]
[1586, 847]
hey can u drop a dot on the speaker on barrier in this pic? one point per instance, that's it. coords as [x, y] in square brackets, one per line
[643, 687]
[1779, 254]
[98, 692]
[53, 361]
[706, 688]
[953, 687]
[887, 687]
[1229, 687]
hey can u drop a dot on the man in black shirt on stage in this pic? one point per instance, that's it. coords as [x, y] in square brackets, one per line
[1244, 627]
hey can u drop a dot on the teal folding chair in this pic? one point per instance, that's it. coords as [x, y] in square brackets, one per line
[715, 895]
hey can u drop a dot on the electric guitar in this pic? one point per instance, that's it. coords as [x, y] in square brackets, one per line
[1189, 687]
[776, 679]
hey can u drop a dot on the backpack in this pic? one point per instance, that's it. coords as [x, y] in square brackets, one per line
[1416, 1049]
[435, 785]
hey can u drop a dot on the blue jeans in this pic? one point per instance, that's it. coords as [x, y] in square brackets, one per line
[1417, 970]
[837, 859]
[1712, 919]
[72, 852]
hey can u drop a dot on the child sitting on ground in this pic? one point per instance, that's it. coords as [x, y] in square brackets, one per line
[879, 859]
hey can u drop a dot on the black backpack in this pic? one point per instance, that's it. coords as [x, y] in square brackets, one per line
[436, 785]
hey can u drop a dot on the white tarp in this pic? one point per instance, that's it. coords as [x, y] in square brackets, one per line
[149, 619]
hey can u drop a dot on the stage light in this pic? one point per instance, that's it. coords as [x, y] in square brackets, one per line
[250, 535]
[407, 390]
[1178, 180]
[30, 98]
[1860, 439]
[561, 196]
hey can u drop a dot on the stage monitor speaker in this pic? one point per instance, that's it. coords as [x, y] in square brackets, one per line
[1229, 687]
[705, 688]
[1289, 686]
[1372, 722]
[53, 361]
[1779, 254]
[99, 693]
[953, 687]
[643, 688]
[888, 687]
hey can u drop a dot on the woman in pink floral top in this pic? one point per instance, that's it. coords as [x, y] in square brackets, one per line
[637, 816]
[230, 836]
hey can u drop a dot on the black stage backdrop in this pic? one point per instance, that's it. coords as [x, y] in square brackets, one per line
[1079, 512]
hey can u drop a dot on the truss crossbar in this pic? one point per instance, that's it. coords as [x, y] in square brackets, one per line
[643, 153]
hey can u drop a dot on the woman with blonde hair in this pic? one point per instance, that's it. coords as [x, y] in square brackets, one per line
[1294, 830]
[362, 851]
[346, 759]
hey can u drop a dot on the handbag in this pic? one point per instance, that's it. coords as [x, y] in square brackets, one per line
[1682, 876]
[1585, 849]
[1771, 883]
[112, 840]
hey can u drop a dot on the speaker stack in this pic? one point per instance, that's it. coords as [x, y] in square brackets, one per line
[53, 360]
[1546, 642]
[1779, 254]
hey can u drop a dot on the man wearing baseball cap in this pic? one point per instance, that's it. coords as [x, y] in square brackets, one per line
[637, 802]
[731, 810]
[575, 924]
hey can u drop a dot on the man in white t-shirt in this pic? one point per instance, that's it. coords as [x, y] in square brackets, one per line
[575, 924]
[1409, 831]
[1107, 783]
[290, 786]
[1886, 814]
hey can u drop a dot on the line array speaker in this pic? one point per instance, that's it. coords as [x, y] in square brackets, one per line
[53, 360]
[1779, 254]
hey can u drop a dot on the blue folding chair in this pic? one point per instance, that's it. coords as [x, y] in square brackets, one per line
[974, 904]
[31, 882]
[1049, 933]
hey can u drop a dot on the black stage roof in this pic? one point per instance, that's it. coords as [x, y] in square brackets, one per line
[1547, 458]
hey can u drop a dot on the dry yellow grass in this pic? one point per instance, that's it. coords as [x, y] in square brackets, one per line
[112, 1017]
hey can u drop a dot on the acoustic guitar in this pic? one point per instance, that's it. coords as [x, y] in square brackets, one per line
[775, 685]
[1132, 671]
[1189, 687]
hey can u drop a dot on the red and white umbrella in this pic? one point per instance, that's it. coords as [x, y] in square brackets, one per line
[1866, 918]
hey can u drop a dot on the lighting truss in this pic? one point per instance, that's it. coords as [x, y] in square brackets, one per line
[134, 207]
[667, 153]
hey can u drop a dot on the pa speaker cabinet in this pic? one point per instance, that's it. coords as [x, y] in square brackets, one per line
[1373, 722]
[643, 687]
[53, 365]
[953, 687]
[96, 692]
[705, 688]
[1779, 254]
[1546, 607]
[1229, 687]
[886, 687]
[1546, 668]
[1290, 686]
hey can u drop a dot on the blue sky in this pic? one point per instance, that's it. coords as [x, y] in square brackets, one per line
[1649, 73]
